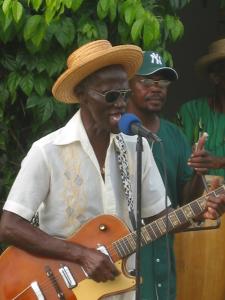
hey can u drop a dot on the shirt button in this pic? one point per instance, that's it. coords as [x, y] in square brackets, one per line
[157, 260]
[159, 284]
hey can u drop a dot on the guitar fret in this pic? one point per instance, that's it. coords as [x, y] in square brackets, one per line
[151, 232]
[120, 248]
[143, 241]
[161, 225]
[133, 240]
[202, 202]
[188, 211]
[168, 224]
[181, 216]
[196, 207]
[156, 229]
[124, 246]
[128, 245]
[174, 219]
[146, 234]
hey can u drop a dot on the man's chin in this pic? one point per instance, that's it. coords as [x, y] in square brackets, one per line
[154, 109]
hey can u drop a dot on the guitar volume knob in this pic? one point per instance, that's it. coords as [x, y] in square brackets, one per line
[102, 227]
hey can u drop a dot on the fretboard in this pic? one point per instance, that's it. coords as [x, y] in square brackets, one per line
[127, 245]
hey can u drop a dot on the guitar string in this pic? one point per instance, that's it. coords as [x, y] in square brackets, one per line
[46, 283]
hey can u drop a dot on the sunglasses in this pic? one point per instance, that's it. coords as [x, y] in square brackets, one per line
[148, 82]
[113, 95]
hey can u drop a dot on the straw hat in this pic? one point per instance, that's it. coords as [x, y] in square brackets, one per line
[216, 52]
[90, 58]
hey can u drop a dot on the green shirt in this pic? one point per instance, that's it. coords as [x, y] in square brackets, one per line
[154, 260]
[197, 117]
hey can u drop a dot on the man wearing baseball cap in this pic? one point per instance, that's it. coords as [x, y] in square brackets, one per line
[149, 91]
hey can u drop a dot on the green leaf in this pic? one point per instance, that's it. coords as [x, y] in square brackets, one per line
[6, 6]
[68, 3]
[33, 101]
[124, 31]
[36, 4]
[55, 64]
[13, 81]
[4, 95]
[102, 30]
[31, 26]
[40, 84]
[112, 9]
[137, 29]
[140, 12]
[104, 4]
[76, 4]
[27, 83]
[60, 109]
[167, 58]
[8, 62]
[102, 8]
[21, 58]
[17, 10]
[7, 22]
[42, 64]
[49, 15]
[148, 36]
[65, 33]
[39, 34]
[151, 32]
[46, 109]
[177, 30]
[129, 15]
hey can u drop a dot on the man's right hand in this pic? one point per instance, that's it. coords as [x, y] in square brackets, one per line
[97, 265]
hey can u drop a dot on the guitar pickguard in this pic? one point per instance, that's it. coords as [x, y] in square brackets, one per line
[91, 290]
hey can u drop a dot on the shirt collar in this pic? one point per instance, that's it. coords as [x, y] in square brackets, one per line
[73, 131]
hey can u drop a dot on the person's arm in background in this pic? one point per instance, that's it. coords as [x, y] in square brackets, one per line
[189, 120]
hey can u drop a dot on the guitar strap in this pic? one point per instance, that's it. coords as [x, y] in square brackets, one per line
[121, 152]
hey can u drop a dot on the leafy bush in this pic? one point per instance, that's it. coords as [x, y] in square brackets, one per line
[36, 36]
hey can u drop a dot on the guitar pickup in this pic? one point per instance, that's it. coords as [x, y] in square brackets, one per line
[67, 277]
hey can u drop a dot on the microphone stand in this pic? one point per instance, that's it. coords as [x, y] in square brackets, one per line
[139, 150]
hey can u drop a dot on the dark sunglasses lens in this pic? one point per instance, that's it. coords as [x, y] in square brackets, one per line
[112, 96]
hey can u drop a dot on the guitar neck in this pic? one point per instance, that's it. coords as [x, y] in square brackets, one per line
[156, 229]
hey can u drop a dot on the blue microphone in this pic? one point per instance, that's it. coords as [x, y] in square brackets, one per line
[130, 124]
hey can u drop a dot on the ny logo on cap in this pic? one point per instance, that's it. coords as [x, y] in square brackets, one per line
[156, 58]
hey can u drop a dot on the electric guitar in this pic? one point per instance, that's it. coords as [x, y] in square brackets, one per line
[24, 276]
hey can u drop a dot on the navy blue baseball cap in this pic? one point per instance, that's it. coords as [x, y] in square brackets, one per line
[153, 63]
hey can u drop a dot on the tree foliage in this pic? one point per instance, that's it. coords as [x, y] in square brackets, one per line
[35, 38]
